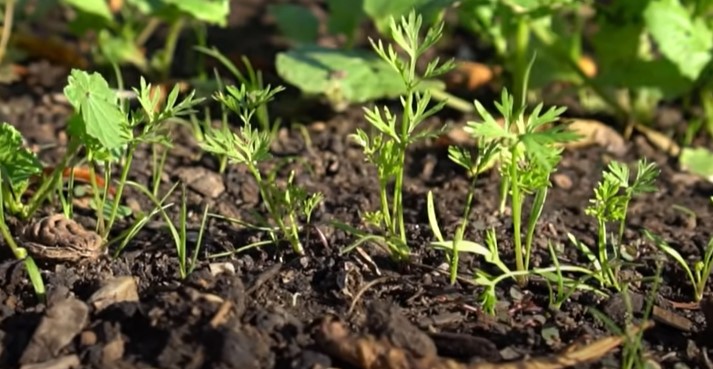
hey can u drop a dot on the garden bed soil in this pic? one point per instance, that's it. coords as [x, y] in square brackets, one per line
[270, 308]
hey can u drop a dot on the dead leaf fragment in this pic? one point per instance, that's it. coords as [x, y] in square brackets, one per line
[471, 75]
[115, 290]
[594, 132]
[660, 140]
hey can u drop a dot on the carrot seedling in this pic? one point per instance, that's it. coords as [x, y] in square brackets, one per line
[387, 148]
[528, 152]
[250, 146]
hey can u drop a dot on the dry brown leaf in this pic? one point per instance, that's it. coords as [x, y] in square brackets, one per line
[594, 132]
[588, 66]
[52, 49]
[660, 140]
[471, 75]
[115, 5]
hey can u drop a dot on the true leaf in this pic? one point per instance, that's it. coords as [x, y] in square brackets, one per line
[687, 42]
[353, 75]
[98, 106]
[96, 7]
[296, 22]
[16, 162]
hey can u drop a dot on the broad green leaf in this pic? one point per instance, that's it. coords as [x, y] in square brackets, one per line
[98, 106]
[344, 16]
[629, 62]
[210, 11]
[296, 22]
[687, 42]
[698, 161]
[353, 76]
[96, 7]
[121, 50]
[381, 11]
[16, 162]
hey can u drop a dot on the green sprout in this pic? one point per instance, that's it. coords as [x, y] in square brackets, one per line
[251, 146]
[387, 149]
[17, 166]
[528, 153]
[699, 274]
[474, 164]
[610, 204]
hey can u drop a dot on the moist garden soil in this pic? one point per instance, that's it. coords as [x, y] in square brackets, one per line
[270, 308]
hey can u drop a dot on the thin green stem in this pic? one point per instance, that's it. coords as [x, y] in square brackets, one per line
[522, 38]
[49, 185]
[460, 232]
[6, 27]
[170, 46]
[120, 188]
[516, 201]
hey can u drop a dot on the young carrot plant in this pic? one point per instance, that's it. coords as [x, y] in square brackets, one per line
[528, 154]
[474, 164]
[387, 149]
[610, 204]
[251, 146]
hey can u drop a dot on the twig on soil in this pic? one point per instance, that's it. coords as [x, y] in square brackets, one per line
[221, 316]
[358, 295]
[264, 277]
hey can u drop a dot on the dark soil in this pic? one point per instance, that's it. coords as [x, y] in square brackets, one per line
[276, 301]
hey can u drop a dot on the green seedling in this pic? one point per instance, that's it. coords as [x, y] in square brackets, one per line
[110, 135]
[490, 253]
[473, 165]
[121, 37]
[178, 233]
[387, 148]
[528, 153]
[610, 204]
[250, 146]
[699, 274]
[560, 287]
[633, 353]
[17, 166]
[253, 81]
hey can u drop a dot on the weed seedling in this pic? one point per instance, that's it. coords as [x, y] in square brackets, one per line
[251, 146]
[528, 153]
[387, 149]
[17, 166]
[701, 270]
[110, 135]
[610, 204]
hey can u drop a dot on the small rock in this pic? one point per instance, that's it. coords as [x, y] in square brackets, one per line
[562, 181]
[218, 268]
[202, 180]
[64, 362]
[88, 338]
[61, 323]
[113, 350]
[115, 290]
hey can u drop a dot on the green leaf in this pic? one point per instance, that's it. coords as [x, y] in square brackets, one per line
[296, 22]
[698, 161]
[381, 11]
[17, 163]
[95, 7]
[344, 16]
[351, 76]
[210, 11]
[687, 42]
[98, 105]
